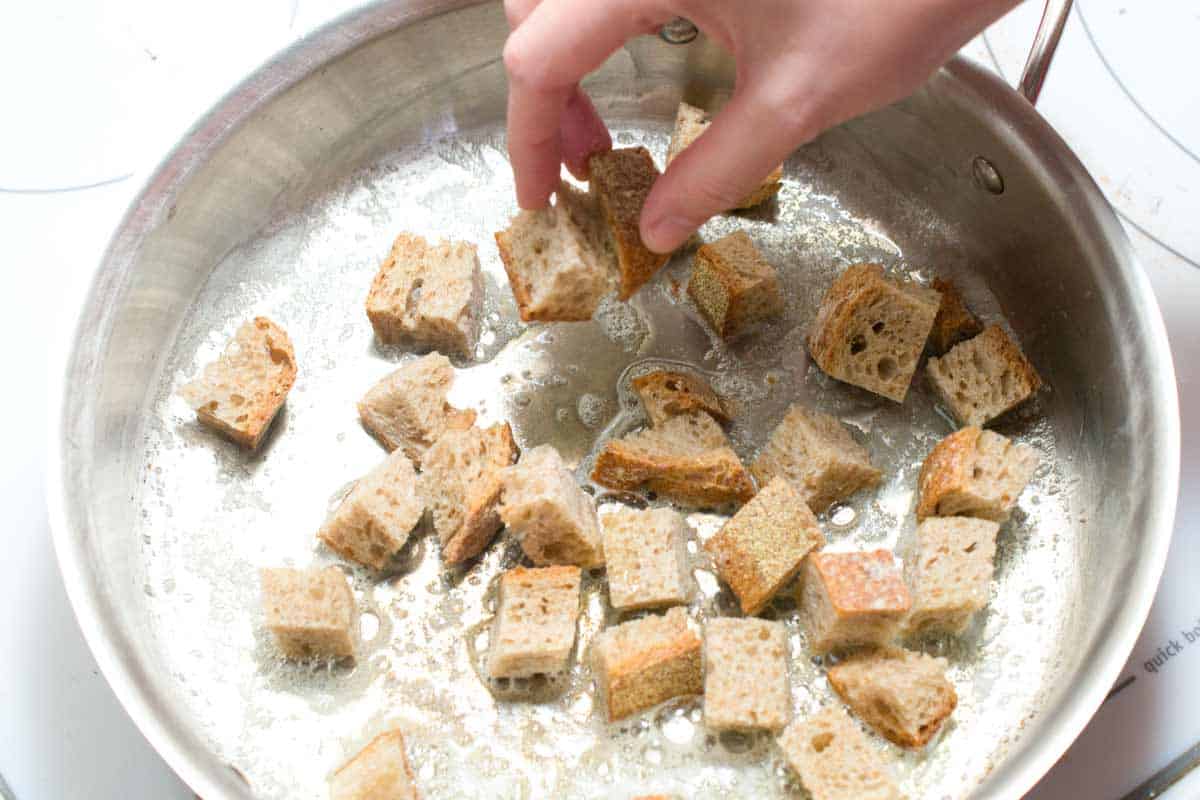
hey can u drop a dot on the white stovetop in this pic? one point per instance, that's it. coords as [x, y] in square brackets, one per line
[93, 94]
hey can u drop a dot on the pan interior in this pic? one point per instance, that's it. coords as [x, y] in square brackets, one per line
[290, 217]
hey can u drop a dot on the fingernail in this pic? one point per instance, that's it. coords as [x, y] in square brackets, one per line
[665, 234]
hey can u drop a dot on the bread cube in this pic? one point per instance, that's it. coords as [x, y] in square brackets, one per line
[835, 760]
[407, 410]
[733, 286]
[687, 459]
[818, 456]
[764, 545]
[555, 270]
[240, 393]
[665, 394]
[870, 330]
[461, 483]
[647, 558]
[903, 695]
[746, 683]
[647, 661]
[534, 629]
[690, 122]
[850, 599]
[311, 612]
[429, 294]
[984, 377]
[373, 522]
[621, 180]
[954, 322]
[974, 473]
[549, 514]
[950, 574]
[380, 771]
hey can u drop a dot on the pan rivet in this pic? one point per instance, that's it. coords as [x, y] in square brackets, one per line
[987, 177]
[678, 31]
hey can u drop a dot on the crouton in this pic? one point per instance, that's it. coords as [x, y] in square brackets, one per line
[849, 599]
[870, 330]
[984, 377]
[974, 473]
[765, 543]
[429, 294]
[665, 394]
[818, 456]
[461, 484]
[733, 286]
[555, 270]
[903, 695]
[240, 393]
[690, 122]
[647, 558]
[373, 522]
[834, 759]
[549, 514]
[950, 573]
[687, 459]
[746, 683]
[311, 612]
[380, 771]
[954, 322]
[621, 180]
[534, 629]
[646, 661]
[407, 410]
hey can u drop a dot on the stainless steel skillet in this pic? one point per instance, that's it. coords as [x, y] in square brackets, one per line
[282, 200]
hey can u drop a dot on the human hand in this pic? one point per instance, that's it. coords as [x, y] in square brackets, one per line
[802, 66]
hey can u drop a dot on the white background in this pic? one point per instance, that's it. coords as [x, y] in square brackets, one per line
[95, 93]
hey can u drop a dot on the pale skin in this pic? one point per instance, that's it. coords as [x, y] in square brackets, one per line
[802, 66]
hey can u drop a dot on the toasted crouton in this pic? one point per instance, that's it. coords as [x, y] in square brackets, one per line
[850, 599]
[380, 771]
[984, 377]
[556, 271]
[428, 293]
[408, 408]
[733, 285]
[621, 180]
[834, 759]
[954, 322]
[549, 514]
[903, 695]
[818, 456]
[374, 520]
[240, 393]
[690, 122]
[647, 558]
[974, 473]
[763, 546]
[646, 661]
[745, 675]
[687, 459]
[534, 629]
[950, 573]
[311, 612]
[665, 394]
[870, 330]
[461, 484]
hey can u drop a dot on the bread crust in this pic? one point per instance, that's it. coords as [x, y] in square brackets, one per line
[261, 403]
[622, 180]
[946, 469]
[714, 478]
[666, 394]
[954, 322]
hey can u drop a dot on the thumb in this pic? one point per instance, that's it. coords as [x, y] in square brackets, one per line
[745, 141]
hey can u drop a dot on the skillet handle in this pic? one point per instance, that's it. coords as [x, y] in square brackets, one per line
[1045, 42]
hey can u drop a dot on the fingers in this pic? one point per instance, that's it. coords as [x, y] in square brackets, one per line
[549, 120]
[747, 139]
